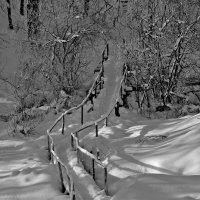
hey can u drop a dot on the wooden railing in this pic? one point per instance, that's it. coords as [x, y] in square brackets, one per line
[75, 136]
[75, 142]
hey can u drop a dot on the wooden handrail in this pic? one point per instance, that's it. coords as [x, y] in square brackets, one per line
[92, 156]
[92, 123]
[71, 110]
[74, 135]
[106, 115]
[52, 154]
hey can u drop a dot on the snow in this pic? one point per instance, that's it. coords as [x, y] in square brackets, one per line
[4, 100]
[25, 172]
[83, 181]
[170, 167]
[140, 163]
[160, 187]
[146, 159]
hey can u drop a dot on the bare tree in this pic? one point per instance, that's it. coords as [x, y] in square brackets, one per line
[160, 43]
[86, 7]
[9, 14]
[22, 7]
[33, 19]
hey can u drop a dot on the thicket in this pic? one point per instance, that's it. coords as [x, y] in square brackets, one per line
[56, 41]
[61, 40]
[160, 45]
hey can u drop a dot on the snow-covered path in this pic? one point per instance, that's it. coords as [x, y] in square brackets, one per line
[105, 100]
[25, 173]
[146, 159]
[113, 73]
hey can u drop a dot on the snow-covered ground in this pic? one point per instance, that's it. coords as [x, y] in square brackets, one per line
[146, 159]
[25, 172]
[143, 165]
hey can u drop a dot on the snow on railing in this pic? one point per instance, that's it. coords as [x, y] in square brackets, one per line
[51, 153]
[75, 135]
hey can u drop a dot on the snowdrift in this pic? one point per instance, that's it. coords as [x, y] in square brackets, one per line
[156, 159]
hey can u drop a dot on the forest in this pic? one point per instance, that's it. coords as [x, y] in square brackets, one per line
[99, 99]
[57, 44]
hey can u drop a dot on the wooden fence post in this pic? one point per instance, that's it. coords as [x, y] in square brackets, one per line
[69, 183]
[101, 84]
[49, 148]
[61, 178]
[72, 192]
[77, 149]
[63, 124]
[105, 180]
[107, 47]
[93, 167]
[103, 55]
[98, 154]
[106, 121]
[126, 78]
[121, 91]
[102, 70]
[72, 142]
[81, 157]
[117, 114]
[74, 195]
[76, 133]
[78, 155]
[82, 114]
[96, 127]
[95, 90]
[53, 158]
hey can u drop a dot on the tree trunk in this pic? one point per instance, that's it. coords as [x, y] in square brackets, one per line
[86, 7]
[22, 7]
[9, 14]
[33, 19]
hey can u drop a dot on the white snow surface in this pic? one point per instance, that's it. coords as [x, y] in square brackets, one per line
[25, 172]
[151, 169]
[146, 159]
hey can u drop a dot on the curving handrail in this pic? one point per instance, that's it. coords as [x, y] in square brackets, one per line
[71, 110]
[74, 136]
[52, 154]
[106, 115]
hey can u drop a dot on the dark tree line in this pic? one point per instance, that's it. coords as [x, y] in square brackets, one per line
[159, 41]
[33, 21]
[22, 7]
[62, 38]
[9, 14]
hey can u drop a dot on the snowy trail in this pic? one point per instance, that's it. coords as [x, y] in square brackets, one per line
[105, 100]
[112, 80]
[25, 173]
[140, 165]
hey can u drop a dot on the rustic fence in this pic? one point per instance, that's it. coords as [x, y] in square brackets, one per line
[105, 118]
[98, 82]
